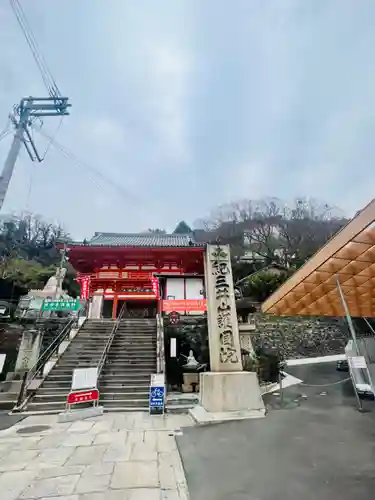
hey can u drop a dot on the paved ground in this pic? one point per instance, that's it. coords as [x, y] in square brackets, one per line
[323, 448]
[128, 456]
[7, 421]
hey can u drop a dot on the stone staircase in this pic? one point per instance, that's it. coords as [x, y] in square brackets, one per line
[84, 351]
[125, 378]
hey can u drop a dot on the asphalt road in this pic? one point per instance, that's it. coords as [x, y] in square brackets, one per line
[321, 447]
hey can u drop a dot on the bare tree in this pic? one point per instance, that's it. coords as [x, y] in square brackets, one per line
[156, 230]
[274, 231]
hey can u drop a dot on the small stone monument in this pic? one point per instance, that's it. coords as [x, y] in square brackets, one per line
[226, 389]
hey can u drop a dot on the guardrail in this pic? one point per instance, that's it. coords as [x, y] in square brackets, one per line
[160, 351]
[110, 340]
[37, 369]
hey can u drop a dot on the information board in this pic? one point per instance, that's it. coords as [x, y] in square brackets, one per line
[156, 404]
[358, 362]
[157, 394]
[61, 305]
[84, 378]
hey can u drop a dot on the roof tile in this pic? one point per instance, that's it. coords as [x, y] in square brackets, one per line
[142, 240]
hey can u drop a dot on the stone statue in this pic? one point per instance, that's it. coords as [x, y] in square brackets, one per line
[192, 364]
[55, 282]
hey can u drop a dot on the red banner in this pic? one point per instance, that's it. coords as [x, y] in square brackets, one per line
[83, 396]
[155, 285]
[184, 305]
[85, 286]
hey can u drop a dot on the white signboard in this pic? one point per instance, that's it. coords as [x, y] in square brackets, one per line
[173, 352]
[358, 362]
[157, 379]
[84, 378]
[2, 361]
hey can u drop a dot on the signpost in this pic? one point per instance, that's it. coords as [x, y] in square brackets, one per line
[181, 306]
[83, 396]
[61, 305]
[157, 394]
[84, 387]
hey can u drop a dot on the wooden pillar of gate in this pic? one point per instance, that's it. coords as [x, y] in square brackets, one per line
[115, 302]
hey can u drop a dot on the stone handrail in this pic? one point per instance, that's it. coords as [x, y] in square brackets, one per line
[160, 351]
[51, 350]
[110, 340]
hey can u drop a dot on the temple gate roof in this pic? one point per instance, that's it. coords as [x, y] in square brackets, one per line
[140, 240]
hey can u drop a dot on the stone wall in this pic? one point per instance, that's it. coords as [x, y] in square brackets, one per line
[10, 339]
[299, 337]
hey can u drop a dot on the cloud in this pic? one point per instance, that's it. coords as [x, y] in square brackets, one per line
[169, 73]
[183, 106]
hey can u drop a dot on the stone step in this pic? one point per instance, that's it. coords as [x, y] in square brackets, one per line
[122, 409]
[120, 344]
[71, 364]
[126, 321]
[133, 350]
[53, 376]
[145, 366]
[131, 340]
[133, 343]
[53, 398]
[110, 387]
[46, 407]
[124, 396]
[128, 403]
[62, 372]
[96, 332]
[82, 359]
[56, 386]
[123, 356]
[90, 349]
[136, 329]
[89, 345]
[135, 336]
[126, 358]
[116, 377]
[49, 406]
[126, 371]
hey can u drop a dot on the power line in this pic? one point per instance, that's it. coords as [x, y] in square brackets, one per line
[6, 130]
[45, 72]
[30, 108]
[4, 134]
[84, 166]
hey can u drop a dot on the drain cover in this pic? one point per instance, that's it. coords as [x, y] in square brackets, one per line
[33, 429]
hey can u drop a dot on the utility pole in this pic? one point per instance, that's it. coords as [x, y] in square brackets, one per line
[10, 162]
[29, 109]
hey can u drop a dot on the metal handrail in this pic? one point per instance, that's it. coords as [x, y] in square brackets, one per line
[110, 340]
[160, 351]
[42, 360]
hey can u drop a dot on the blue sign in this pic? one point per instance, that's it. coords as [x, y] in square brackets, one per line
[156, 402]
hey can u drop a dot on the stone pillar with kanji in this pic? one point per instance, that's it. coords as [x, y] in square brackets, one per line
[226, 388]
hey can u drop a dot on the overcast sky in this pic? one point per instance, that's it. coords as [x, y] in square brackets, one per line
[188, 104]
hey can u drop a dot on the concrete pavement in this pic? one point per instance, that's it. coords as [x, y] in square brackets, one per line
[321, 448]
[117, 456]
